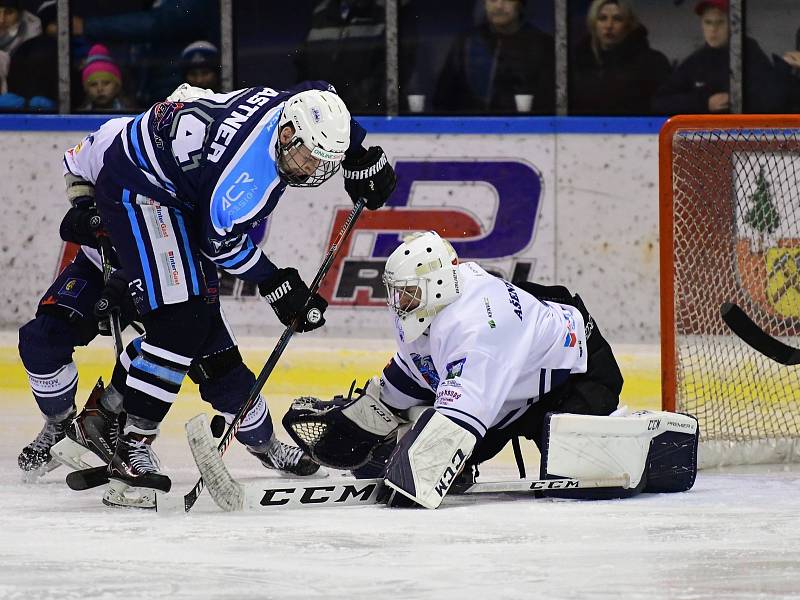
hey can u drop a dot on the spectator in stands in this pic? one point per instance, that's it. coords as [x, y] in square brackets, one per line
[16, 26]
[701, 84]
[155, 37]
[787, 67]
[502, 58]
[33, 76]
[613, 69]
[102, 83]
[200, 62]
[346, 46]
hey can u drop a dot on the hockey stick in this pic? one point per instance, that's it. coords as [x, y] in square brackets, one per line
[67, 451]
[755, 337]
[231, 495]
[191, 497]
[113, 316]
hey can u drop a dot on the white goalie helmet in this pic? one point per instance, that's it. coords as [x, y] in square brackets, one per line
[421, 278]
[321, 123]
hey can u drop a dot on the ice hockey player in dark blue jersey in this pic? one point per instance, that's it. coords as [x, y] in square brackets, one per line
[177, 189]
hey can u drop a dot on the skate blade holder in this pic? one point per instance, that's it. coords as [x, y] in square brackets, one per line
[120, 495]
[70, 453]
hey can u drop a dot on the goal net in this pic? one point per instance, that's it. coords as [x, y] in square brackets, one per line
[730, 231]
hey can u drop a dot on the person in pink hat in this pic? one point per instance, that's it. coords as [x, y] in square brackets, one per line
[102, 83]
[701, 83]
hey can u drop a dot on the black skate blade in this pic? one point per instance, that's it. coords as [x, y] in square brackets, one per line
[87, 479]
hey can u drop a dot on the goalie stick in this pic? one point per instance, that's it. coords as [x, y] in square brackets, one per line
[755, 337]
[231, 495]
[163, 501]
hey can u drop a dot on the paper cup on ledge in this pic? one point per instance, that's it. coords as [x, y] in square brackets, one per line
[524, 102]
[416, 102]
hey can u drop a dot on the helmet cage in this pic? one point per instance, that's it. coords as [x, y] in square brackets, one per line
[406, 296]
[291, 171]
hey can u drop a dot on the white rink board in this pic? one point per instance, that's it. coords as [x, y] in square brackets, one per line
[595, 220]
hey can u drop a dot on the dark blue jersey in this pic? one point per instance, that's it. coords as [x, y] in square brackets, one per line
[214, 159]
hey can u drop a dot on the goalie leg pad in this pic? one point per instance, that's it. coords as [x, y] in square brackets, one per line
[428, 458]
[342, 433]
[645, 444]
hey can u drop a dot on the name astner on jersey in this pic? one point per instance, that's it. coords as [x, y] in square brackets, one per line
[231, 124]
[225, 133]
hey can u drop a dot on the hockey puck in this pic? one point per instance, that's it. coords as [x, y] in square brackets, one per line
[314, 316]
[218, 426]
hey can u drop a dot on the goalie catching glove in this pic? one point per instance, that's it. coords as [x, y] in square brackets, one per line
[289, 297]
[344, 432]
[370, 177]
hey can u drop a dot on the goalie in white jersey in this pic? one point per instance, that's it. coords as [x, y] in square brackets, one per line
[488, 357]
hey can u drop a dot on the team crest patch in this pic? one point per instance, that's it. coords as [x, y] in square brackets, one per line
[454, 368]
[73, 287]
[316, 114]
[427, 369]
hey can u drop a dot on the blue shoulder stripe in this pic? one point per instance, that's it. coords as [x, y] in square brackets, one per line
[247, 182]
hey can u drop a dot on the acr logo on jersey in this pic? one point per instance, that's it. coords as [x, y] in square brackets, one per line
[356, 279]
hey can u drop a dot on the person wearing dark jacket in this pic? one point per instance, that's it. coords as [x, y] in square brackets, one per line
[33, 75]
[787, 68]
[615, 71]
[346, 46]
[502, 58]
[701, 84]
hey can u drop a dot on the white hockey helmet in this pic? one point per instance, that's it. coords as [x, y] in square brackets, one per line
[421, 278]
[321, 123]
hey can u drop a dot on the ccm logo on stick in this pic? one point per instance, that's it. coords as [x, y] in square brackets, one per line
[317, 494]
[556, 484]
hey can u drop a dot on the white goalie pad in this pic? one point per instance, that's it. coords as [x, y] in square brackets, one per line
[584, 446]
[428, 459]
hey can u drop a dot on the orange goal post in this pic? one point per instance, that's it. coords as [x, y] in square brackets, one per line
[729, 188]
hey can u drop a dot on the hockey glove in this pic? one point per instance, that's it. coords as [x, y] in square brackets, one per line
[287, 294]
[115, 297]
[81, 225]
[370, 177]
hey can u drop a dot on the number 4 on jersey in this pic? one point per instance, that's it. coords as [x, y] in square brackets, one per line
[189, 133]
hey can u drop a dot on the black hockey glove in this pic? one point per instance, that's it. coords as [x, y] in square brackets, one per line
[81, 225]
[370, 177]
[115, 297]
[287, 294]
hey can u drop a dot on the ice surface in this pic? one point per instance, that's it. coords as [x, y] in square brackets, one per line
[735, 535]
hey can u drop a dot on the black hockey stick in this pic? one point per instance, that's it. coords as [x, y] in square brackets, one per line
[191, 497]
[755, 337]
[113, 316]
[86, 479]
[92, 477]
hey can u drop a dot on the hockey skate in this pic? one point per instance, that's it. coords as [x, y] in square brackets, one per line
[133, 473]
[35, 459]
[288, 459]
[94, 430]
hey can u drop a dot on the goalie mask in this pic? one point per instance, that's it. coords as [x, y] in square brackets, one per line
[321, 124]
[421, 278]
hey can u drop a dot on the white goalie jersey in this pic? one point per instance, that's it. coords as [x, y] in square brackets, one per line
[488, 356]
